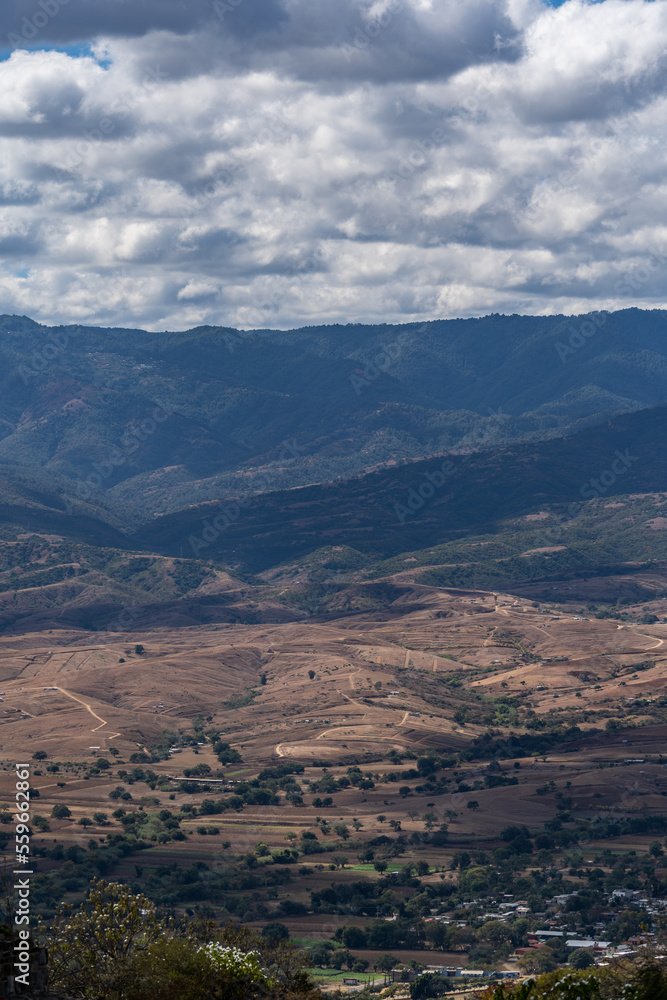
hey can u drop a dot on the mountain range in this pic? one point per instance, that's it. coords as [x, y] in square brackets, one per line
[143, 423]
[335, 454]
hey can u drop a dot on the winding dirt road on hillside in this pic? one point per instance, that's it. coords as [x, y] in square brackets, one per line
[89, 709]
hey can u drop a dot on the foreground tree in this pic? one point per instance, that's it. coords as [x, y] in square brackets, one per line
[116, 946]
[581, 959]
[428, 986]
[91, 945]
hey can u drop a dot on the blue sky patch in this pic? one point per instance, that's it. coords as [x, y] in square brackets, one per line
[78, 51]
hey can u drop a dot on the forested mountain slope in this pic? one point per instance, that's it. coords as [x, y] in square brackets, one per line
[142, 423]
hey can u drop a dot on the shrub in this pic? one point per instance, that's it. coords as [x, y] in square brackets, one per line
[116, 946]
[275, 931]
[431, 984]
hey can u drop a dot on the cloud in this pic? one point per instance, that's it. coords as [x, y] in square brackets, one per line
[308, 39]
[390, 160]
[66, 21]
[585, 61]
[386, 41]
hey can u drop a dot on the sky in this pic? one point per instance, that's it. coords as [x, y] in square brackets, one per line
[280, 163]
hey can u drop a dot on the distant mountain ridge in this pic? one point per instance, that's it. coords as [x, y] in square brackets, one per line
[425, 503]
[136, 424]
[590, 505]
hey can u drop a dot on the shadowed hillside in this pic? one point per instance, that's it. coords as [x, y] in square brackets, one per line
[418, 505]
[142, 423]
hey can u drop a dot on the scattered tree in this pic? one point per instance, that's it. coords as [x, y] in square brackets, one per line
[429, 820]
[275, 931]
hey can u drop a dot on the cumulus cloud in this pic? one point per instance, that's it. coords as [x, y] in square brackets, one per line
[65, 21]
[384, 160]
